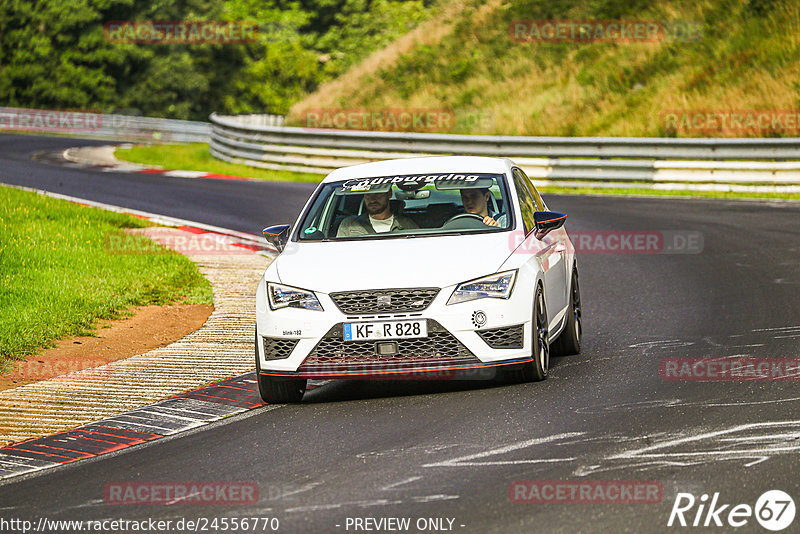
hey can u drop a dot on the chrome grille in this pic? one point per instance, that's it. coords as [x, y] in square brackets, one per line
[278, 349]
[509, 337]
[384, 300]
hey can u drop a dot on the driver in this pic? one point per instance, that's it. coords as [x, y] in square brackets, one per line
[476, 201]
[380, 218]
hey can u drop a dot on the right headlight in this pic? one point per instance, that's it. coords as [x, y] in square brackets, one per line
[281, 296]
[495, 286]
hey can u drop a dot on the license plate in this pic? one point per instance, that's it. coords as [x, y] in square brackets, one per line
[385, 330]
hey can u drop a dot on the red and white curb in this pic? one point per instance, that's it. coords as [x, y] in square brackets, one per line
[102, 158]
[177, 414]
[108, 408]
[174, 415]
[229, 237]
[197, 174]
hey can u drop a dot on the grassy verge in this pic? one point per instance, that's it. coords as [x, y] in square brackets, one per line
[716, 56]
[196, 157]
[665, 193]
[57, 277]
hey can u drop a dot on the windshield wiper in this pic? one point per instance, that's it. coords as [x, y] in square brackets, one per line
[449, 233]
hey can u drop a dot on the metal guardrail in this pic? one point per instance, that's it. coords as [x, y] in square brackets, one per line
[104, 126]
[244, 140]
[260, 120]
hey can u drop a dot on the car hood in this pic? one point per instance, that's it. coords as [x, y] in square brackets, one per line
[402, 262]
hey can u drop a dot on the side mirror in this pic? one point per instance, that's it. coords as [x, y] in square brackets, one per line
[278, 235]
[548, 220]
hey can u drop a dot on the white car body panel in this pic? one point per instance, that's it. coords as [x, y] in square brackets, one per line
[419, 262]
[398, 262]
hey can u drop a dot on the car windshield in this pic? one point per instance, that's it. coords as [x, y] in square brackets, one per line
[408, 205]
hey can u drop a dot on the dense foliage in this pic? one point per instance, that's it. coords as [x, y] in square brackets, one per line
[55, 55]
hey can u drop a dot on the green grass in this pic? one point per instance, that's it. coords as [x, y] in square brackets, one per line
[740, 55]
[196, 157]
[662, 193]
[57, 277]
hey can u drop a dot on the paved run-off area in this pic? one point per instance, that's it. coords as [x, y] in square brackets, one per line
[222, 348]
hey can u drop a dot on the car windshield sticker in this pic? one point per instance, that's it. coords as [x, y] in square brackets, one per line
[310, 229]
[412, 181]
[481, 183]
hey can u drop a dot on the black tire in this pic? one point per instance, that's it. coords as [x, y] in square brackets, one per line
[278, 390]
[569, 340]
[536, 370]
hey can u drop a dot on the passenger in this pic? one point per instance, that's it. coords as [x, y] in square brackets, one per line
[380, 218]
[476, 201]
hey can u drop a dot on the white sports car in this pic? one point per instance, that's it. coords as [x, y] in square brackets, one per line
[417, 268]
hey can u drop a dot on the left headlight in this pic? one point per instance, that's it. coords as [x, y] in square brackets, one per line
[281, 296]
[495, 286]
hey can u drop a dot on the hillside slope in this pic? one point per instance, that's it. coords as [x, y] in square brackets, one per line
[710, 66]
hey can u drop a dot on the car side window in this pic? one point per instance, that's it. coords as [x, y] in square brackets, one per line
[527, 204]
[536, 196]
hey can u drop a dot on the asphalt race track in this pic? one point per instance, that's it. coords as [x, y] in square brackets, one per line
[246, 206]
[452, 450]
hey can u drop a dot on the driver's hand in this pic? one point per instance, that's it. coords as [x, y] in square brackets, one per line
[488, 221]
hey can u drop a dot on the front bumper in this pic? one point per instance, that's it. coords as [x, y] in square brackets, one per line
[464, 340]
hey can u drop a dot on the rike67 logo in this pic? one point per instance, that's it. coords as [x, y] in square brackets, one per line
[774, 510]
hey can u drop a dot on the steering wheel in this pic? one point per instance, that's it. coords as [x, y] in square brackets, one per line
[464, 216]
[466, 221]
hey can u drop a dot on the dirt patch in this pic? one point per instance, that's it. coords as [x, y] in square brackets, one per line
[148, 328]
